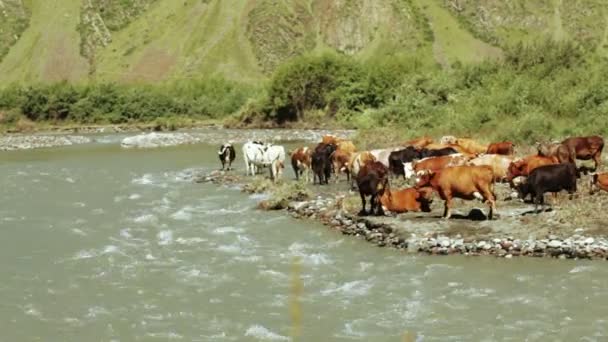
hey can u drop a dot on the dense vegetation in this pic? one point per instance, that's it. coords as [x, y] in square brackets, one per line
[117, 104]
[539, 91]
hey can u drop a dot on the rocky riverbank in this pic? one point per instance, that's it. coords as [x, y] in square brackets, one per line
[209, 135]
[419, 233]
[26, 142]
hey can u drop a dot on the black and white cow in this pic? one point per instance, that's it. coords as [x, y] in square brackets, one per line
[227, 155]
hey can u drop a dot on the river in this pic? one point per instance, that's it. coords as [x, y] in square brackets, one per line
[109, 244]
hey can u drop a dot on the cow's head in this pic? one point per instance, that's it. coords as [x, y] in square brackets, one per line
[425, 197]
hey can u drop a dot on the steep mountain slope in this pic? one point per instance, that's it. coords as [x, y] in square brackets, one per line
[14, 17]
[156, 40]
[49, 48]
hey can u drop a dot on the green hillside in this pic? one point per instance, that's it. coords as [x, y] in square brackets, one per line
[245, 40]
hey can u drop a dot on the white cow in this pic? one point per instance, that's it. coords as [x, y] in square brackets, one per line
[257, 155]
[382, 155]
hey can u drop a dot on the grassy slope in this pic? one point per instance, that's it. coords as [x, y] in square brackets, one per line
[177, 39]
[245, 39]
[48, 49]
[453, 43]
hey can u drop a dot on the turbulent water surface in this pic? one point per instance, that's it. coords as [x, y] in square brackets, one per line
[101, 243]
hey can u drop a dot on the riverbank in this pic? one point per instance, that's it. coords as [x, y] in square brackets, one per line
[516, 232]
[138, 137]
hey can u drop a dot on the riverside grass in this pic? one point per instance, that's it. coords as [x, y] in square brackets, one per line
[541, 91]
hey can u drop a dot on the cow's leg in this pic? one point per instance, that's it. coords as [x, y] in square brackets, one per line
[223, 162]
[362, 212]
[597, 159]
[539, 199]
[447, 211]
[489, 197]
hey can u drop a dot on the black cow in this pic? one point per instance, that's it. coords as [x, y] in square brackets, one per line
[426, 153]
[397, 158]
[227, 155]
[549, 178]
[321, 162]
[372, 180]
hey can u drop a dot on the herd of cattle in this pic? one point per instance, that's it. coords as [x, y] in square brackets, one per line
[452, 168]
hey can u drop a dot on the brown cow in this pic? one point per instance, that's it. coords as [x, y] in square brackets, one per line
[471, 145]
[330, 139]
[599, 180]
[505, 148]
[300, 161]
[523, 167]
[411, 199]
[346, 146]
[357, 160]
[340, 160]
[586, 148]
[372, 180]
[562, 152]
[460, 149]
[466, 182]
[499, 164]
[433, 164]
[418, 142]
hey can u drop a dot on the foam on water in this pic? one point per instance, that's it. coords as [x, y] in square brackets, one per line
[226, 230]
[165, 237]
[83, 254]
[354, 288]
[189, 241]
[134, 196]
[184, 214]
[581, 269]
[262, 333]
[145, 218]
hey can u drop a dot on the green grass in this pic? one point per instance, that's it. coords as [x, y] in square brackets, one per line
[452, 42]
[48, 49]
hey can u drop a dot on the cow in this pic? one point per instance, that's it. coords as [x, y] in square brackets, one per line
[457, 148]
[227, 155]
[301, 162]
[549, 178]
[372, 180]
[426, 153]
[330, 139]
[357, 161]
[321, 162]
[447, 139]
[418, 143]
[471, 146]
[599, 180]
[259, 155]
[505, 148]
[346, 146]
[523, 167]
[397, 158]
[404, 200]
[499, 164]
[466, 182]
[340, 160]
[586, 148]
[433, 164]
[563, 153]
[382, 155]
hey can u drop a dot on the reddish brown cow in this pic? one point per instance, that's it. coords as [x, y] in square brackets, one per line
[372, 180]
[586, 148]
[340, 160]
[523, 167]
[330, 139]
[466, 182]
[599, 180]
[411, 199]
[300, 161]
[504, 148]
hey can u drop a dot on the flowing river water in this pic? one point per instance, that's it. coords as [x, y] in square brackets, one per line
[101, 243]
